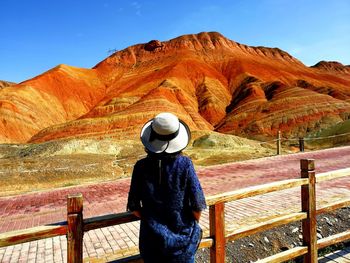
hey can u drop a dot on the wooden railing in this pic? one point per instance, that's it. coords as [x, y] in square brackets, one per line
[75, 226]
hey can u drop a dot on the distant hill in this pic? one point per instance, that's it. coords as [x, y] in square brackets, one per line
[4, 84]
[209, 81]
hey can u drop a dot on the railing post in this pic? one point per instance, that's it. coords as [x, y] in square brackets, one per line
[308, 203]
[279, 143]
[217, 232]
[75, 228]
[301, 144]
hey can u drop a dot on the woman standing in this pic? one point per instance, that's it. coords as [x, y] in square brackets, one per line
[165, 194]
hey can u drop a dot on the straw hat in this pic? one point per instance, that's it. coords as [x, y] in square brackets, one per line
[165, 134]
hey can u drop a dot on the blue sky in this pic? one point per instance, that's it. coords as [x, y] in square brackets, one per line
[36, 35]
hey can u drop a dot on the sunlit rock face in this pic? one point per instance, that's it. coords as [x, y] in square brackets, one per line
[60, 95]
[209, 81]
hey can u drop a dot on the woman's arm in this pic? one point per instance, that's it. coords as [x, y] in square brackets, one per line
[195, 193]
[137, 213]
[197, 215]
[134, 199]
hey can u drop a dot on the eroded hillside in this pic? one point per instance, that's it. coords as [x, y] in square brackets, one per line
[209, 81]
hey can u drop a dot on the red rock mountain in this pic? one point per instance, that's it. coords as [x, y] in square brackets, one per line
[209, 81]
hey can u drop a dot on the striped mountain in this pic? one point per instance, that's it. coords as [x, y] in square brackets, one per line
[209, 81]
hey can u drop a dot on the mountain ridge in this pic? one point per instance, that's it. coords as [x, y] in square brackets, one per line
[4, 84]
[209, 81]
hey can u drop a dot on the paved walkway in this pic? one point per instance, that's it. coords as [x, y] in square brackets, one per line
[340, 256]
[110, 243]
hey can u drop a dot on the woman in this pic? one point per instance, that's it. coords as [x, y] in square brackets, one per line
[165, 193]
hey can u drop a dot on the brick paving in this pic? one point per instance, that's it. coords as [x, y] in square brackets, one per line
[101, 245]
[340, 256]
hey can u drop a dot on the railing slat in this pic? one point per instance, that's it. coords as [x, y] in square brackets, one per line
[333, 206]
[108, 220]
[334, 239]
[255, 190]
[253, 229]
[206, 243]
[285, 255]
[31, 234]
[332, 175]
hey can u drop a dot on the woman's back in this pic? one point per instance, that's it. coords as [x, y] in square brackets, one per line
[168, 190]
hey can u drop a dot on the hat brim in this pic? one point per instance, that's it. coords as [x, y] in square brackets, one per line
[177, 144]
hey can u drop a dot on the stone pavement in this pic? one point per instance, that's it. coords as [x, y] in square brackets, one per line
[336, 256]
[110, 243]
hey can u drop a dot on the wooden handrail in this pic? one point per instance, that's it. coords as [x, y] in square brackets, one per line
[108, 220]
[332, 175]
[272, 223]
[75, 226]
[31, 234]
[334, 239]
[285, 255]
[206, 243]
[333, 206]
[255, 190]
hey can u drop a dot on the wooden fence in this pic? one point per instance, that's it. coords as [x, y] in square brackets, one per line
[301, 140]
[75, 226]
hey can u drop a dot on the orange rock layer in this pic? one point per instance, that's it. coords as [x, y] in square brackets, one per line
[60, 95]
[209, 81]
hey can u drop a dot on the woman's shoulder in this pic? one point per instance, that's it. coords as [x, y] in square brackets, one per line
[184, 158]
[184, 161]
[141, 163]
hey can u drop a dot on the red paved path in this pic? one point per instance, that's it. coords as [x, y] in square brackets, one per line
[35, 209]
[47, 207]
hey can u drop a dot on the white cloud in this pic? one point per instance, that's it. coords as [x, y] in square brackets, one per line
[137, 6]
